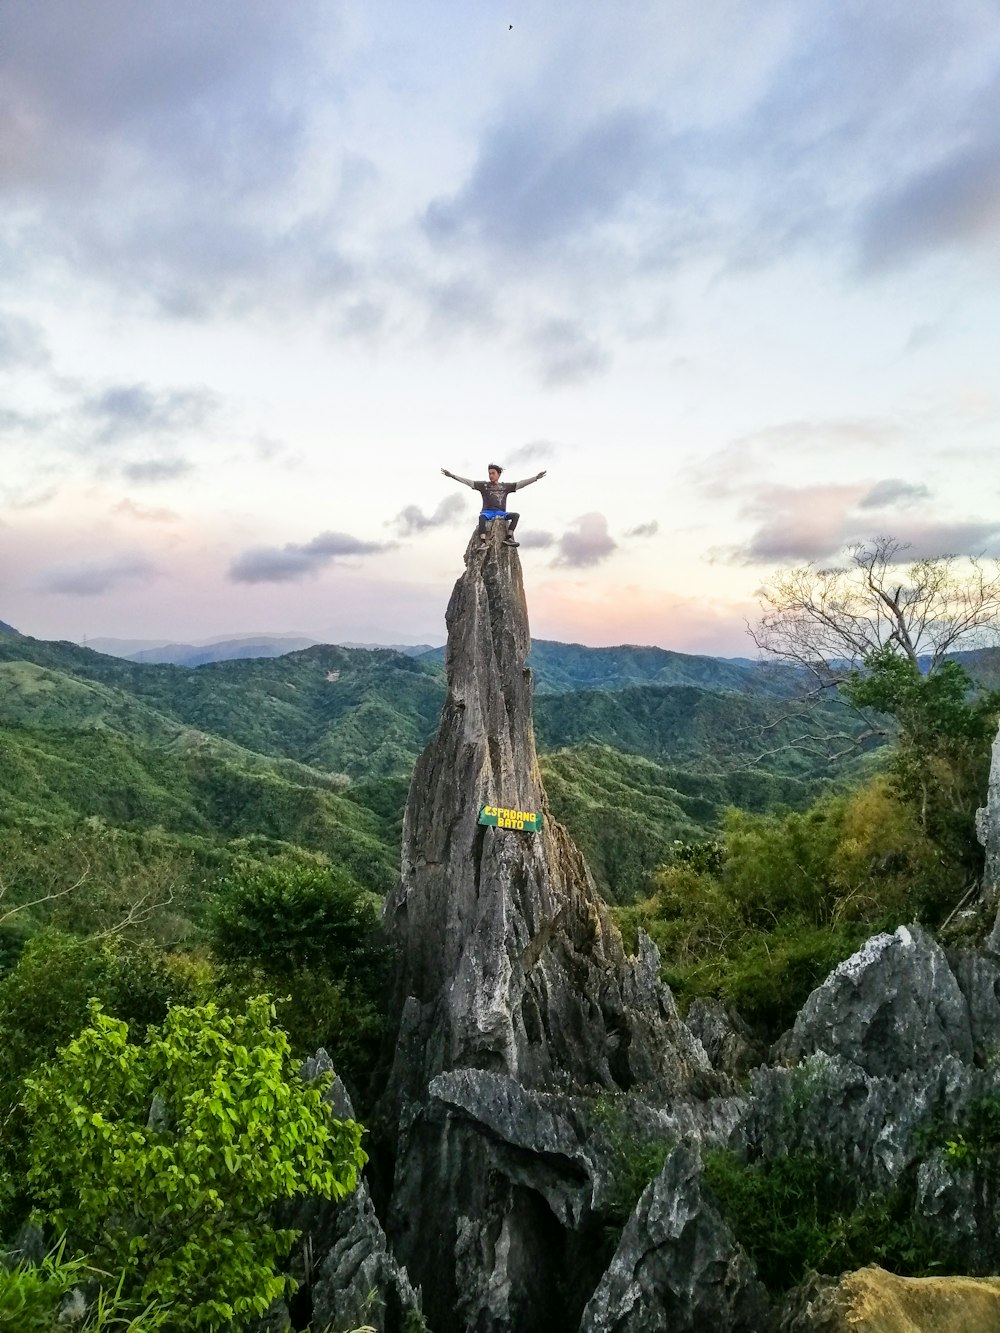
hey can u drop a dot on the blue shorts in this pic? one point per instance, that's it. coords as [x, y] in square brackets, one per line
[493, 513]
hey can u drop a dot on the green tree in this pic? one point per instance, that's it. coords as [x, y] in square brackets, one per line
[286, 916]
[311, 935]
[161, 1162]
[883, 631]
[940, 761]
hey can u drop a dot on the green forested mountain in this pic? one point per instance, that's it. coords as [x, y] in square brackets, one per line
[340, 709]
[314, 748]
[563, 667]
[687, 726]
[626, 812]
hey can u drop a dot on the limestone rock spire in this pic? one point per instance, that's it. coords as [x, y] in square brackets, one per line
[514, 996]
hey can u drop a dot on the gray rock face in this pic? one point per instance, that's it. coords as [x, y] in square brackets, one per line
[677, 1265]
[728, 1042]
[898, 1053]
[866, 1123]
[343, 1260]
[508, 965]
[988, 831]
[893, 1006]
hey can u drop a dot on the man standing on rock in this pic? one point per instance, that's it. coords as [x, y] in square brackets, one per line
[494, 493]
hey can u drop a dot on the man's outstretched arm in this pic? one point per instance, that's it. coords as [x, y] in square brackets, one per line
[464, 480]
[518, 485]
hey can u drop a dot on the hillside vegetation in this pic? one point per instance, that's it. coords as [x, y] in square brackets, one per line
[252, 743]
[177, 842]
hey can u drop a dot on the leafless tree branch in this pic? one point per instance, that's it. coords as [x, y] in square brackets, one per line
[36, 902]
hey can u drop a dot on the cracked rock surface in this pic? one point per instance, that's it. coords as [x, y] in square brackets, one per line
[508, 965]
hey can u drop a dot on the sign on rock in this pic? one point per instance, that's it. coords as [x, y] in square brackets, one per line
[530, 821]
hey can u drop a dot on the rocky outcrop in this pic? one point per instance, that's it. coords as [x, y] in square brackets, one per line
[513, 987]
[347, 1276]
[874, 1301]
[893, 1006]
[677, 1265]
[728, 1042]
[988, 830]
[531, 1056]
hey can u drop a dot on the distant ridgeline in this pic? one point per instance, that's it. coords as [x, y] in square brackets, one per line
[314, 749]
[529, 821]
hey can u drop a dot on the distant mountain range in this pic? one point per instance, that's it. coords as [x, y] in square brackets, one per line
[7, 629]
[225, 650]
[639, 745]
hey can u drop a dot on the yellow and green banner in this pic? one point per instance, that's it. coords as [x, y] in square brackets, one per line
[530, 821]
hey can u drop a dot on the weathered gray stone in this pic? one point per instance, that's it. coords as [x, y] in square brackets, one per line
[868, 1124]
[508, 964]
[342, 1260]
[728, 1041]
[988, 832]
[978, 977]
[677, 1265]
[892, 1006]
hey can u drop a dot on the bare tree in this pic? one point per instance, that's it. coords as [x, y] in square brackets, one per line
[829, 621]
[10, 912]
[138, 912]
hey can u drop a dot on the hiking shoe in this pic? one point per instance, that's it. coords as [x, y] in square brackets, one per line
[509, 541]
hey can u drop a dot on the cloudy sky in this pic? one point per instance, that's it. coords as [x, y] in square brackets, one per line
[728, 272]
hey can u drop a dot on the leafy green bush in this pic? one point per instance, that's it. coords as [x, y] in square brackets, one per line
[44, 999]
[940, 761]
[759, 917]
[161, 1161]
[634, 1157]
[312, 935]
[801, 1211]
[285, 916]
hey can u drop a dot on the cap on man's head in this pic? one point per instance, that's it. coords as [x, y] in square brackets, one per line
[494, 467]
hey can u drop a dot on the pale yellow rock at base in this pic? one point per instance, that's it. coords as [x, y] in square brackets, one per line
[874, 1301]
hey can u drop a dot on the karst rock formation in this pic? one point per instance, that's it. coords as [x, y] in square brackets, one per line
[528, 1047]
[515, 999]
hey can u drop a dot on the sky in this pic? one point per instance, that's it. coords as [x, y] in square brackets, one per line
[728, 273]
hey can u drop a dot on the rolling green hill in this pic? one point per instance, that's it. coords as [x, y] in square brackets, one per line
[684, 726]
[560, 668]
[354, 711]
[314, 748]
[71, 776]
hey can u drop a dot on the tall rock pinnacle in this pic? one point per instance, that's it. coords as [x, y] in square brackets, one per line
[509, 966]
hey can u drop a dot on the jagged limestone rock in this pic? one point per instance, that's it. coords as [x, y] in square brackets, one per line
[508, 963]
[979, 980]
[567, 1147]
[892, 1006]
[342, 1260]
[887, 1129]
[868, 1124]
[988, 832]
[729, 1043]
[677, 1265]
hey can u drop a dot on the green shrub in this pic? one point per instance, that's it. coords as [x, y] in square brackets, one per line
[44, 999]
[801, 1212]
[759, 917]
[284, 916]
[162, 1161]
[634, 1157]
[311, 935]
